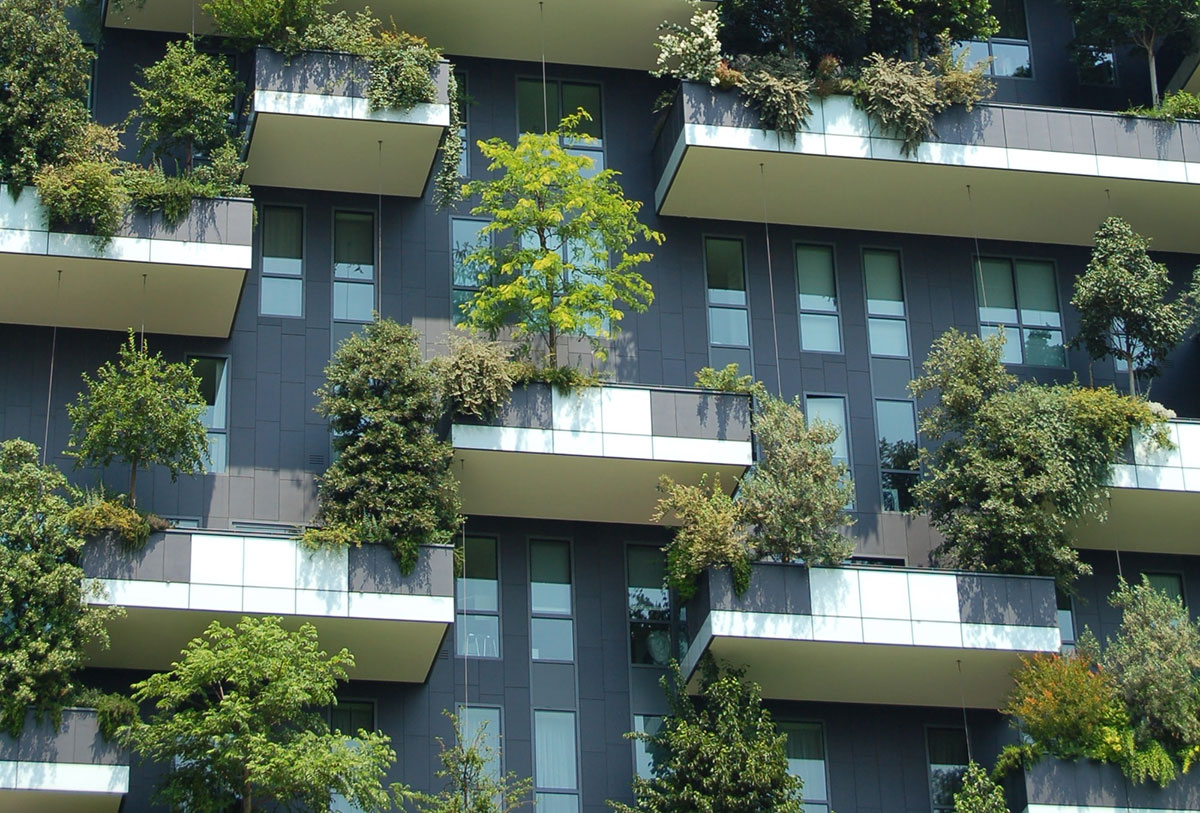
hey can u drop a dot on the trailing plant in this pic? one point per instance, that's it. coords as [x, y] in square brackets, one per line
[1013, 467]
[447, 184]
[153, 190]
[43, 88]
[691, 51]
[564, 378]
[476, 376]
[48, 618]
[472, 784]
[1123, 307]
[777, 87]
[979, 793]
[141, 411]
[278, 24]
[238, 720]
[728, 379]
[795, 497]
[718, 751]
[96, 512]
[1178, 104]
[114, 711]
[390, 482]
[566, 263]
[86, 194]
[710, 533]
[901, 96]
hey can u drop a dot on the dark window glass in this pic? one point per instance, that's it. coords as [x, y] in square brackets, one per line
[947, 765]
[351, 716]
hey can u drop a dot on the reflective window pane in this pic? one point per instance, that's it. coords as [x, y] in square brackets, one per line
[885, 292]
[729, 326]
[597, 157]
[557, 803]
[1012, 342]
[889, 337]
[218, 452]
[1045, 348]
[994, 287]
[832, 410]
[550, 576]
[478, 587]
[1038, 293]
[477, 635]
[352, 716]
[644, 753]
[282, 297]
[480, 726]
[648, 597]
[552, 639]
[814, 275]
[947, 764]
[897, 490]
[283, 234]
[649, 643]
[554, 750]
[819, 333]
[283, 266]
[465, 240]
[537, 112]
[1011, 16]
[897, 435]
[353, 301]
[726, 272]
[214, 378]
[353, 244]
[577, 95]
[1012, 59]
[1169, 583]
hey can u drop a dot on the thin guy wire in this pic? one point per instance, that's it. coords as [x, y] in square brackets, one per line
[379, 229]
[762, 173]
[143, 313]
[542, 30]
[978, 257]
[50, 384]
[962, 695]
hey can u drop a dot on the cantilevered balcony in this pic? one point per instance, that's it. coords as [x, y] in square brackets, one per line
[356, 597]
[1057, 786]
[311, 128]
[595, 454]
[611, 34]
[184, 279]
[69, 768]
[1036, 175]
[873, 635]
[1155, 500]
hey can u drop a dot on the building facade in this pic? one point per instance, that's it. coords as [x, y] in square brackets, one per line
[826, 266]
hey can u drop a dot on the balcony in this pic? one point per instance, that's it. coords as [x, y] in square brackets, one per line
[69, 769]
[596, 454]
[1036, 175]
[311, 128]
[1056, 786]
[874, 635]
[612, 34]
[183, 280]
[1154, 501]
[356, 597]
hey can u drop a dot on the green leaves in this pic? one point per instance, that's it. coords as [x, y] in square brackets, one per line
[711, 533]
[238, 716]
[979, 793]
[276, 24]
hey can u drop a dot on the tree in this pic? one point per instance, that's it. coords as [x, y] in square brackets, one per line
[796, 28]
[184, 103]
[979, 793]
[278, 24]
[1122, 303]
[711, 533]
[46, 620]
[795, 497]
[720, 752]
[141, 411]
[914, 25]
[1015, 466]
[473, 785]
[43, 87]
[1101, 24]
[566, 263]
[391, 480]
[239, 719]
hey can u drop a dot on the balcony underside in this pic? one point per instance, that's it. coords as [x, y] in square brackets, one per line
[384, 649]
[1051, 204]
[1145, 520]
[339, 147]
[53, 801]
[569, 487]
[616, 34]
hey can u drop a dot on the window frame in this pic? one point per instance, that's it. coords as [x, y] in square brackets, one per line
[262, 256]
[372, 702]
[929, 764]
[557, 82]
[227, 378]
[1027, 42]
[825, 760]
[837, 297]
[845, 417]
[915, 472]
[540, 789]
[498, 613]
[1170, 572]
[375, 265]
[1019, 324]
[629, 620]
[862, 254]
[708, 305]
[547, 615]
[457, 316]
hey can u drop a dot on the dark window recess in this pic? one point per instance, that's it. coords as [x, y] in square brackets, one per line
[649, 607]
[351, 716]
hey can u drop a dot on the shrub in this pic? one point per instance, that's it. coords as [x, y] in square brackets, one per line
[83, 196]
[956, 83]
[901, 96]
[277, 24]
[979, 793]
[152, 190]
[113, 711]
[476, 376]
[778, 87]
[727, 380]
[691, 52]
[340, 32]
[710, 533]
[400, 71]
[98, 512]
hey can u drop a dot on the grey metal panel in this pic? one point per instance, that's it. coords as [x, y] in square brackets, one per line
[1021, 600]
[373, 569]
[76, 740]
[165, 557]
[552, 685]
[889, 377]
[325, 73]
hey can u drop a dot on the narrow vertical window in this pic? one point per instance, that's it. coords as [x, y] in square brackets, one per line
[282, 285]
[947, 749]
[832, 410]
[728, 306]
[480, 726]
[887, 328]
[461, 100]
[353, 266]
[820, 330]
[649, 606]
[465, 239]
[806, 759]
[645, 755]
[1066, 619]
[477, 621]
[214, 385]
[896, 426]
[555, 773]
[552, 631]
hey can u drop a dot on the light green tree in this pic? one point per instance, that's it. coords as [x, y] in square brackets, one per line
[979, 793]
[718, 752]
[472, 782]
[709, 532]
[1122, 301]
[184, 103]
[565, 263]
[45, 618]
[239, 719]
[141, 411]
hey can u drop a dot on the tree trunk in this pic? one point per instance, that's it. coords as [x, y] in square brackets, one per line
[246, 802]
[1132, 379]
[552, 347]
[132, 482]
[1153, 77]
[916, 42]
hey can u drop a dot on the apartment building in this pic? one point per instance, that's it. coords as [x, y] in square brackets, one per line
[826, 266]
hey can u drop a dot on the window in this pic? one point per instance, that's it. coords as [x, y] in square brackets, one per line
[1020, 298]
[538, 112]
[831, 409]
[645, 755]
[819, 326]
[554, 769]
[353, 266]
[649, 606]
[282, 288]
[465, 238]
[806, 759]
[1066, 620]
[1169, 583]
[214, 387]
[552, 632]
[462, 101]
[477, 621]
[728, 307]
[1009, 49]
[480, 725]
[352, 716]
[886, 325]
[947, 749]
[896, 427]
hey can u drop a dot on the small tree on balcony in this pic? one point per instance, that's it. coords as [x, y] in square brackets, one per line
[800, 29]
[240, 720]
[141, 411]
[1123, 307]
[566, 263]
[915, 25]
[46, 620]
